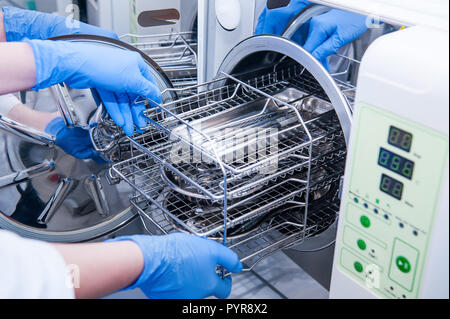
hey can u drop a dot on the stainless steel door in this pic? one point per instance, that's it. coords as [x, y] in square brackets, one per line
[48, 195]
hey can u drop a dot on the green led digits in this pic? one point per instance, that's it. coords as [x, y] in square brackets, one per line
[385, 184]
[396, 163]
[397, 190]
[406, 142]
[384, 159]
[394, 136]
[400, 139]
[408, 170]
[391, 187]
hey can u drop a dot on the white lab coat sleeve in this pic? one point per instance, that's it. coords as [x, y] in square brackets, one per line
[31, 269]
[7, 102]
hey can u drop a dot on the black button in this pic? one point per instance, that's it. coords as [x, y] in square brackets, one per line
[386, 216]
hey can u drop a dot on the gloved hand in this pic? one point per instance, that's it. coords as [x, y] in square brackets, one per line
[21, 24]
[73, 141]
[331, 31]
[275, 21]
[120, 76]
[180, 266]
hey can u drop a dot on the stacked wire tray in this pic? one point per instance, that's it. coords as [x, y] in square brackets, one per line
[253, 162]
[175, 53]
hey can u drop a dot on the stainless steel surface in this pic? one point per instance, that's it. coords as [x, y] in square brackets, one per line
[55, 201]
[99, 196]
[24, 132]
[65, 105]
[76, 219]
[26, 174]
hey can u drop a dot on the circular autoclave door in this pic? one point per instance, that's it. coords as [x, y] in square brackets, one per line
[46, 194]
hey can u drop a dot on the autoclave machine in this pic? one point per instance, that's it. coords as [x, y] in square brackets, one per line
[255, 157]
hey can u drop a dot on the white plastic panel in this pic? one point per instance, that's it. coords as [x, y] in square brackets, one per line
[409, 87]
[429, 13]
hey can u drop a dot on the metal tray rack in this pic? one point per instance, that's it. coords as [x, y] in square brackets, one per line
[175, 53]
[344, 80]
[254, 202]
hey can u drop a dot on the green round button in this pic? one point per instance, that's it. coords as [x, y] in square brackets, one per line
[362, 244]
[365, 221]
[358, 267]
[403, 264]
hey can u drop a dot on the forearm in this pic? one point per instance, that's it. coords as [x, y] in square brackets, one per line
[17, 67]
[104, 268]
[31, 118]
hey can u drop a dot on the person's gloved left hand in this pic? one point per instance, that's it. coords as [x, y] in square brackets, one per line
[180, 266]
[275, 21]
[330, 31]
[20, 24]
[74, 141]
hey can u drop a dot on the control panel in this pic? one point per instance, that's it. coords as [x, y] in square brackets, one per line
[394, 187]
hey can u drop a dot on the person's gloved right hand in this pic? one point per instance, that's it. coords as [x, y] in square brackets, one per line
[330, 31]
[180, 266]
[120, 76]
[20, 24]
[275, 21]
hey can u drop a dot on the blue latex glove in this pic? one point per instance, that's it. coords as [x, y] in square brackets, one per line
[120, 76]
[331, 31]
[275, 21]
[180, 266]
[20, 24]
[73, 141]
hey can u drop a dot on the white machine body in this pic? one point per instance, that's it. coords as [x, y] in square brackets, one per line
[393, 235]
[122, 16]
[217, 36]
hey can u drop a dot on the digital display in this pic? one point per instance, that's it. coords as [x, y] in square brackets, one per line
[396, 163]
[400, 139]
[392, 187]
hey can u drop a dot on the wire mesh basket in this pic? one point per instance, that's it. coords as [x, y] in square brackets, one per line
[254, 162]
[175, 53]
